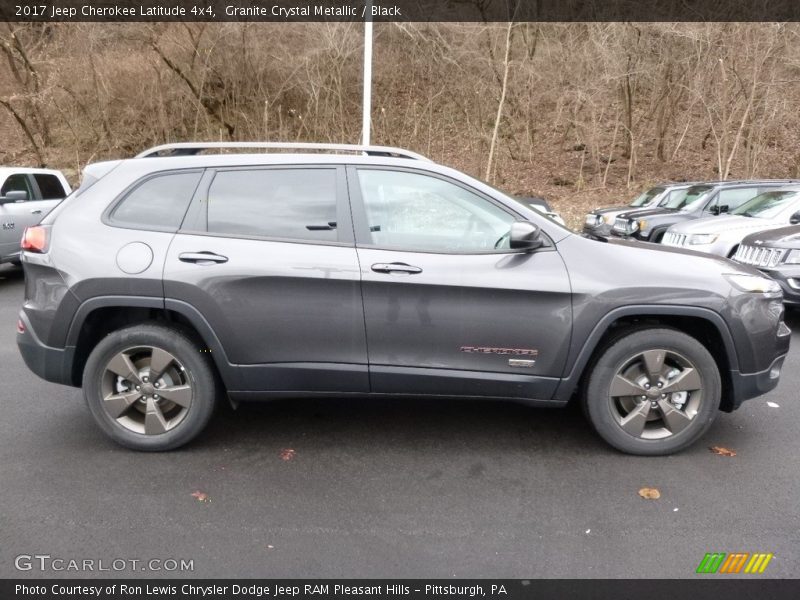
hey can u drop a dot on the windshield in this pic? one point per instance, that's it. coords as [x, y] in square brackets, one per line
[767, 205]
[694, 195]
[647, 196]
[674, 197]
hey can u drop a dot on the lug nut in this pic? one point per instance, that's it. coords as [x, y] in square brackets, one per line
[647, 386]
[660, 384]
[145, 379]
[138, 387]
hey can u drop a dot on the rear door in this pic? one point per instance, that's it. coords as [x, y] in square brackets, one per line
[450, 308]
[267, 257]
[49, 192]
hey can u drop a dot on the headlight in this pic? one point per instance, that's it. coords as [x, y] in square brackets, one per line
[703, 238]
[793, 258]
[752, 283]
[593, 220]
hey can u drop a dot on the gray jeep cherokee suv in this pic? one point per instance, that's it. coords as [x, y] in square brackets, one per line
[350, 270]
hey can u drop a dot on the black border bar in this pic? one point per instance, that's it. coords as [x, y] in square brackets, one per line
[400, 10]
[711, 587]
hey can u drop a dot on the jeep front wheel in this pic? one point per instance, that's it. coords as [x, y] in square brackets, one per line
[149, 387]
[653, 392]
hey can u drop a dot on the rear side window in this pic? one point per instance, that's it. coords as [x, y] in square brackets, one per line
[158, 203]
[49, 186]
[283, 203]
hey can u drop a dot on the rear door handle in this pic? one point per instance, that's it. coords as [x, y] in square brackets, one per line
[202, 258]
[396, 267]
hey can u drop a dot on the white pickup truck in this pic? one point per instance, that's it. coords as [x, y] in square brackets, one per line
[26, 196]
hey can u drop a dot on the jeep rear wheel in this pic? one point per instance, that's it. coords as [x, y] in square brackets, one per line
[653, 392]
[149, 387]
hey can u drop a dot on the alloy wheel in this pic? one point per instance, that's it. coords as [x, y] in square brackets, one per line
[655, 394]
[146, 390]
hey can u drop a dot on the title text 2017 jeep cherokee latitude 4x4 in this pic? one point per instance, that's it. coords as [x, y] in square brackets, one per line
[374, 271]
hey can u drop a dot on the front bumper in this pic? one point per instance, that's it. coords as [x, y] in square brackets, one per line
[750, 385]
[51, 364]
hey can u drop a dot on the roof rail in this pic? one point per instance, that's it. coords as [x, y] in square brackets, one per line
[193, 148]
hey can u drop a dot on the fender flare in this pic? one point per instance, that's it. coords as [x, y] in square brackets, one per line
[575, 369]
[228, 372]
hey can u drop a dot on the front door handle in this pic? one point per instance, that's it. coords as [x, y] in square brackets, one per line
[202, 258]
[36, 211]
[396, 267]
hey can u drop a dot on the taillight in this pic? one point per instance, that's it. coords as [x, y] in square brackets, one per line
[35, 239]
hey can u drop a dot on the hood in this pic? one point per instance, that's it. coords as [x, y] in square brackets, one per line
[723, 224]
[642, 213]
[609, 209]
[781, 237]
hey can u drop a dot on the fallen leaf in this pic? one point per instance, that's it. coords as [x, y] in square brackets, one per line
[200, 496]
[722, 451]
[287, 454]
[773, 405]
[588, 531]
[674, 510]
[650, 493]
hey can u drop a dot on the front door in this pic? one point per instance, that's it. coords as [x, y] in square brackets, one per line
[16, 216]
[450, 309]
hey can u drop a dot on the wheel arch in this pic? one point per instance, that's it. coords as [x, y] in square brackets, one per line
[97, 317]
[703, 324]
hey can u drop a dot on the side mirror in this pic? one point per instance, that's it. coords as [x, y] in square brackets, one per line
[794, 219]
[15, 196]
[723, 208]
[525, 236]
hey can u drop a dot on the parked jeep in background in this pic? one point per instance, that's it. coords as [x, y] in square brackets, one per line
[775, 253]
[372, 271]
[722, 235]
[600, 220]
[702, 200]
[26, 195]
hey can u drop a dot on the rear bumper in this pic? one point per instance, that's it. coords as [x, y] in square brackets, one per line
[51, 364]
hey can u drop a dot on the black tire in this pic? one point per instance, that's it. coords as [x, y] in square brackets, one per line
[193, 375]
[626, 355]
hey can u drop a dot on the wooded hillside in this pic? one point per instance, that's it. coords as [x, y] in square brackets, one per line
[581, 113]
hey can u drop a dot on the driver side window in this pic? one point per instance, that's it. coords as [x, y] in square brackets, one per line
[410, 211]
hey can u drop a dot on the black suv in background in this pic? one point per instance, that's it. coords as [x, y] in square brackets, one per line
[172, 278]
[776, 253]
[599, 221]
[700, 201]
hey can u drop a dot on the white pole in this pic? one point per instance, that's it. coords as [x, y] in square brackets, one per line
[367, 102]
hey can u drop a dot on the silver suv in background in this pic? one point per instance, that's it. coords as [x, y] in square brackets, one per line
[26, 196]
[722, 235]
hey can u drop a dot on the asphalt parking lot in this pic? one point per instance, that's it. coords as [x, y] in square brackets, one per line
[389, 488]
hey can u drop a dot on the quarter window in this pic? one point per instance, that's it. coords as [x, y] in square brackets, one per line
[158, 203]
[419, 212]
[283, 203]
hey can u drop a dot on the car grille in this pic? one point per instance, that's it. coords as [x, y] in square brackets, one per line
[758, 256]
[621, 224]
[674, 239]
